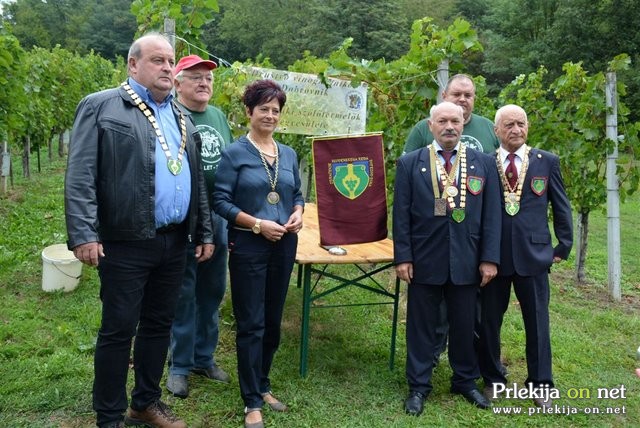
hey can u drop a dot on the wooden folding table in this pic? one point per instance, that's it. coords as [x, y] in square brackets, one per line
[369, 258]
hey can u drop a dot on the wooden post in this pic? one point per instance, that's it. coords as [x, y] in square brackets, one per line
[26, 150]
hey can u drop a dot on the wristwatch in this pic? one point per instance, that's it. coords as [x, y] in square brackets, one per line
[256, 227]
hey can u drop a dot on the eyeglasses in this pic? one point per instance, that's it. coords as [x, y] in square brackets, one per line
[197, 78]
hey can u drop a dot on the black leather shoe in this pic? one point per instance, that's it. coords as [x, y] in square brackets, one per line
[414, 404]
[475, 397]
[215, 373]
[488, 393]
[544, 403]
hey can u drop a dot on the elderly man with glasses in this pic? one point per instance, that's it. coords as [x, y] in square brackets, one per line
[194, 333]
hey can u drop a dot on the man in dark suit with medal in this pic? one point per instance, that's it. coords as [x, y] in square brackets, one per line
[530, 180]
[446, 233]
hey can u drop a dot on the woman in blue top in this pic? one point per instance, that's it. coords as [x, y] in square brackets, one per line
[257, 189]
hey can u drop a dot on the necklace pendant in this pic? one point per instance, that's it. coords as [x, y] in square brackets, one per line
[512, 208]
[273, 198]
[458, 214]
[174, 166]
[452, 191]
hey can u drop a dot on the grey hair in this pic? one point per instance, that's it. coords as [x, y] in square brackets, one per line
[506, 107]
[436, 106]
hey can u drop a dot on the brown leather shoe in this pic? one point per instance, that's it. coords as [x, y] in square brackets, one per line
[157, 415]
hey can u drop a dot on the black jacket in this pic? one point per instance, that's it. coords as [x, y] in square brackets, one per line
[110, 177]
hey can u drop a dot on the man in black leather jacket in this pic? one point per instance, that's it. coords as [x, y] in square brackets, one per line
[134, 196]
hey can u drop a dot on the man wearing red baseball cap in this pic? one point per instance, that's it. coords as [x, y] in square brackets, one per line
[194, 333]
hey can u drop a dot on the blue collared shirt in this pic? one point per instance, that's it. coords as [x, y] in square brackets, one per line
[173, 192]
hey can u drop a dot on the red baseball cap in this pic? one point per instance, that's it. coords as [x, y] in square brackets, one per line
[191, 61]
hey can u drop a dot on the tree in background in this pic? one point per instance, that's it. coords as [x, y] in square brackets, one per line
[189, 16]
[283, 31]
[104, 26]
[38, 23]
[107, 28]
[521, 35]
[443, 12]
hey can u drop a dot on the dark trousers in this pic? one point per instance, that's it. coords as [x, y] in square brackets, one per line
[139, 285]
[533, 294]
[259, 273]
[423, 301]
[442, 330]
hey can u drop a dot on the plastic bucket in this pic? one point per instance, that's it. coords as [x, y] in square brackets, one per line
[60, 268]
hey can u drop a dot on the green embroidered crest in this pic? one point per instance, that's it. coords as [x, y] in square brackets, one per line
[538, 185]
[351, 179]
[474, 184]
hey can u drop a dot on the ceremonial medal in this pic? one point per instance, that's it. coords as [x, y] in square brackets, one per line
[273, 198]
[452, 191]
[512, 208]
[440, 207]
[175, 166]
[458, 214]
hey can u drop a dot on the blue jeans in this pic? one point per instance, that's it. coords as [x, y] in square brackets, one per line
[194, 333]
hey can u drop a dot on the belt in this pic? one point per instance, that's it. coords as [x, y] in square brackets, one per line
[244, 229]
[171, 227]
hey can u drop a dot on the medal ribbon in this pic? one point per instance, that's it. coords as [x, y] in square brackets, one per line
[174, 166]
[512, 194]
[448, 180]
[272, 181]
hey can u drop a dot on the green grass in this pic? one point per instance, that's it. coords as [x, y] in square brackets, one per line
[47, 342]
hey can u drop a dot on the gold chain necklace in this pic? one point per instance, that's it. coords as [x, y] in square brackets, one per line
[272, 197]
[512, 195]
[448, 184]
[262, 152]
[174, 165]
